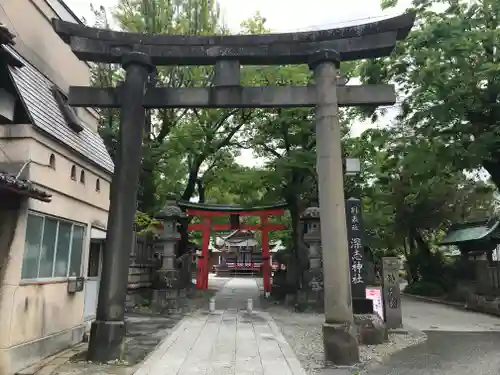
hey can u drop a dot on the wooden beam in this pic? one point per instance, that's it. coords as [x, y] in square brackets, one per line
[227, 227]
[234, 97]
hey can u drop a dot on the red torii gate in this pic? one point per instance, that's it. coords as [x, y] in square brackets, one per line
[207, 211]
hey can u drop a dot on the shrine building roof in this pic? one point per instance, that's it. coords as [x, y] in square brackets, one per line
[480, 230]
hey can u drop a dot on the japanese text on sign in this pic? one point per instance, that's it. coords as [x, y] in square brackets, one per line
[355, 245]
[356, 260]
[393, 301]
[355, 224]
[390, 278]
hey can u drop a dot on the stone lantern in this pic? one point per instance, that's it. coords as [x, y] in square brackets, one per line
[313, 278]
[170, 216]
[168, 275]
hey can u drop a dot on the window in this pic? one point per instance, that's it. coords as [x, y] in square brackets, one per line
[53, 248]
[73, 173]
[52, 161]
[97, 185]
[82, 177]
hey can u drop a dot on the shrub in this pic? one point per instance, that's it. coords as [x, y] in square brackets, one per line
[425, 288]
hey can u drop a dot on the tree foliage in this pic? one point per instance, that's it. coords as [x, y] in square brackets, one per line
[182, 148]
[416, 174]
[447, 72]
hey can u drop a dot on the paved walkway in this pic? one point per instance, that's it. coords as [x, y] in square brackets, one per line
[227, 342]
[435, 317]
[459, 343]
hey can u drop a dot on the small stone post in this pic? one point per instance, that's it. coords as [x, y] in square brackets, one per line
[339, 332]
[108, 330]
[391, 292]
[165, 298]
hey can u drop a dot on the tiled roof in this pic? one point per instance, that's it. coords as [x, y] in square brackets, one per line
[23, 187]
[472, 231]
[35, 91]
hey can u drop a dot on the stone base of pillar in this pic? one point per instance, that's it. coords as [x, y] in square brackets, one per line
[371, 329]
[311, 299]
[340, 343]
[166, 301]
[106, 341]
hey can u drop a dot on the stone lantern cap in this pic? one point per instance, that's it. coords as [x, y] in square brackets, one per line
[170, 211]
[311, 214]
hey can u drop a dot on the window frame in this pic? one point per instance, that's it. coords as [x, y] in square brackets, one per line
[54, 279]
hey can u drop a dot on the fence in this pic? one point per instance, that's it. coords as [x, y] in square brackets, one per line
[143, 262]
[487, 277]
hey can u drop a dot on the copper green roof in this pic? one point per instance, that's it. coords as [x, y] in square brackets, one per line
[228, 208]
[472, 231]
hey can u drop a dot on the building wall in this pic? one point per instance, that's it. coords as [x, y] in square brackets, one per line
[38, 317]
[36, 41]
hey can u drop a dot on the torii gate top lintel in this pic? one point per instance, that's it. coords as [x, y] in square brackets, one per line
[368, 40]
[206, 209]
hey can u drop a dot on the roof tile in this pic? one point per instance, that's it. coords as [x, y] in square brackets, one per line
[35, 91]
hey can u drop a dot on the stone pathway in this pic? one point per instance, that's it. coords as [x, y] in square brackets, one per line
[227, 342]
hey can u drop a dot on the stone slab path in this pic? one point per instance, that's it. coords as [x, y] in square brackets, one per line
[229, 341]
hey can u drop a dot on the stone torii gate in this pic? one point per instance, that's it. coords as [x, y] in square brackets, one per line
[138, 54]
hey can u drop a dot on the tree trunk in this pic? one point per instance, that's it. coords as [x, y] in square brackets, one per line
[493, 168]
[191, 183]
[182, 245]
[201, 190]
[294, 268]
[412, 266]
[147, 191]
[422, 246]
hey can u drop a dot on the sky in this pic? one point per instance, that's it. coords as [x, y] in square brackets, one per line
[287, 16]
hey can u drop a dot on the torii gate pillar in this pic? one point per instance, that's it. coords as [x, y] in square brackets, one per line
[108, 330]
[339, 333]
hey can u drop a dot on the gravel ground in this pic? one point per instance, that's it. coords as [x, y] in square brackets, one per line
[304, 333]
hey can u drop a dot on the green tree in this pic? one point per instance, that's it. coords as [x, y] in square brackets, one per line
[447, 72]
[411, 195]
[180, 146]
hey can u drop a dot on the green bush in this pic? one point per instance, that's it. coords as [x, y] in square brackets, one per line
[431, 269]
[425, 288]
